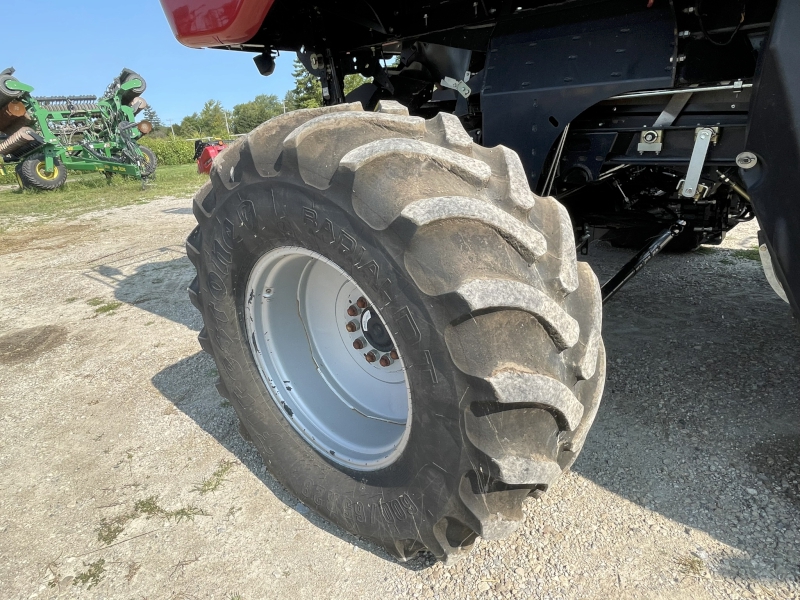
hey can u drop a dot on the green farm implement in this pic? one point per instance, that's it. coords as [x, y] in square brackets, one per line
[46, 137]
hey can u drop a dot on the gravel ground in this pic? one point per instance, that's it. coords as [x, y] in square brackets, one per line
[122, 474]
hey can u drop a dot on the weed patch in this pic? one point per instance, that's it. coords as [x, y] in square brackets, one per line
[103, 306]
[91, 576]
[705, 250]
[217, 478]
[149, 508]
[691, 565]
[749, 254]
[107, 307]
[109, 529]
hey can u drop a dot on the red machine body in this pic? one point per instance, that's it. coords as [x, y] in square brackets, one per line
[215, 22]
[207, 157]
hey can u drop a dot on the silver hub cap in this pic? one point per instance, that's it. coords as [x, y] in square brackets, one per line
[327, 358]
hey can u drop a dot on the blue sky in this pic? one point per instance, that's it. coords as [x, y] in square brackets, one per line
[75, 48]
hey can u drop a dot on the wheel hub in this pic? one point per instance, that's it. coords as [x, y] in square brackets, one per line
[375, 331]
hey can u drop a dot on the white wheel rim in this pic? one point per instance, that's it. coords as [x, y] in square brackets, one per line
[354, 412]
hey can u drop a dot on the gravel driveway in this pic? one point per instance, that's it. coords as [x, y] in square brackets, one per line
[122, 474]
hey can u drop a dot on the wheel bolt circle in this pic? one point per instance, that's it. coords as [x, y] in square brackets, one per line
[370, 356]
[351, 326]
[352, 310]
[385, 360]
[394, 354]
[362, 302]
[358, 344]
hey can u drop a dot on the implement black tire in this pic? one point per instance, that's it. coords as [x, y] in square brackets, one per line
[6, 93]
[498, 325]
[129, 95]
[32, 175]
[150, 162]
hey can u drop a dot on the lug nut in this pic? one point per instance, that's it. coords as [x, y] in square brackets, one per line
[394, 354]
[362, 302]
[352, 326]
[352, 310]
[370, 356]
[385, 360]
[358, 344]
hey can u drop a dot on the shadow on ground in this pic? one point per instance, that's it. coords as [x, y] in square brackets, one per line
[186, 383]
[155, 281]
[700, 417]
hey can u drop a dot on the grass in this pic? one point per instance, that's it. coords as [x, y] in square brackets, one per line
[691, 565]
[92, 192]
[107, 307]
[103, 306]
[217, 478]
[92, 575]
[705, 250]
[109, 529]
[749, 254]
[149, 507]
[742, 254]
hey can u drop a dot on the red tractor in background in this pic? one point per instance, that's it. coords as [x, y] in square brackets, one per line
[400, 322]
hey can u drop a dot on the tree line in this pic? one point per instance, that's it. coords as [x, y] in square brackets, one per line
[214, 120]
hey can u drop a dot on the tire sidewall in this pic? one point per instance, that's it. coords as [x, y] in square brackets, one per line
[151, 163]
[387, 504]
[29, 177]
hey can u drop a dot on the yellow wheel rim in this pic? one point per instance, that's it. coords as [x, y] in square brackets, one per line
[42, 172]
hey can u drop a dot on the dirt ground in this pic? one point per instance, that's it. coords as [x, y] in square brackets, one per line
[122, 474]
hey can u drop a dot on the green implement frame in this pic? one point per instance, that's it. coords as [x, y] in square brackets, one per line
[82, 133]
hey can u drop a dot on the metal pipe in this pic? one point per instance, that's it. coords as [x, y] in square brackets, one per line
[637, 263]
[736, 187]
[717, 88]
[551, 176]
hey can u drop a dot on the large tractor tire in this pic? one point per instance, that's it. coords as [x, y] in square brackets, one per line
[32, 174]
[399, 323]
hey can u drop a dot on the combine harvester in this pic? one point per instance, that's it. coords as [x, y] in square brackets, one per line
[46, 137]
[389, 283]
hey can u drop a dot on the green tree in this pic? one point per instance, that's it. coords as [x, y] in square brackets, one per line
[189, 127]
[249, 115]
[209, 122]
[353, 81]
[213, 119]
[150, 114]
[307, 91]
